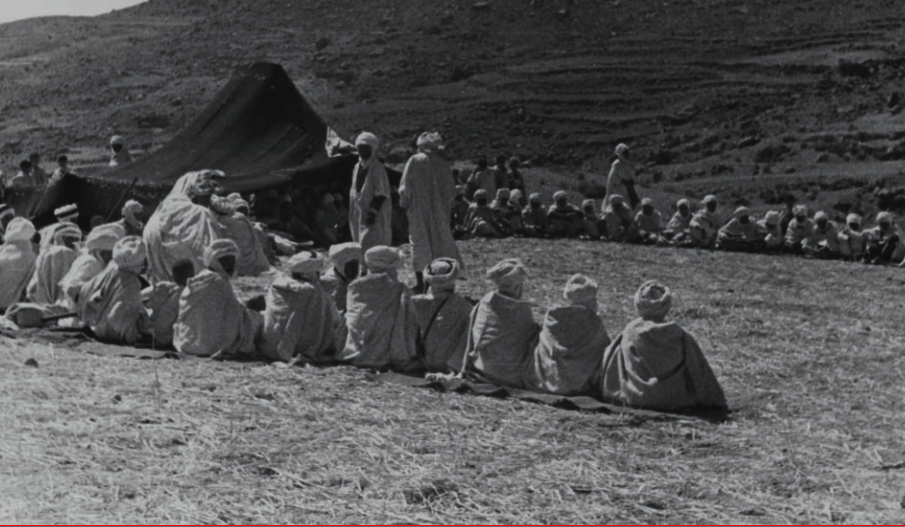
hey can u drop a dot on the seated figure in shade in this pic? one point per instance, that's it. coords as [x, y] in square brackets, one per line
[534, 217]
[565, 220]
[770, 229]
[443, 317]
[824, 239]
[573, 340]
[502, 333]
[655, 364]
[650, 223]
[678, 230]
[17, 261]
[705, 223]
[620, 225]
[851, 238]
[382, 329]
[346, 259]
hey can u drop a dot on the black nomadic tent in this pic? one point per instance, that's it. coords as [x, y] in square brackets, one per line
[258, 129]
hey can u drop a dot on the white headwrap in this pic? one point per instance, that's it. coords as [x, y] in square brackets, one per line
[117, 140]
[222, 206]
[343, 253]
[430, 141]
[104, 237]
[853, 218]
[19, 230]
[129, 254]
[884, 217]
[772, 218]
[67, 211]
[821, 216]
[441, 274]
[306, 264]
[800, 210]
[367, 138]
[621, 149]
[66, 230]
[509, 276]
[581, 290]
[131, 208]
[382, 258]
[653, 300]
[218, 249]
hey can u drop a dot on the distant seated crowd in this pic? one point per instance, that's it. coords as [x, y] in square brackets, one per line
[138, 284]
[793, 231]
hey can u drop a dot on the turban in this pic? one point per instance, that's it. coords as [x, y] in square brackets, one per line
[480, 193]
[741, 212]
[502, 194]
[617, 199]
[66, 211]
[441, 274]
[222, 205]
[581, 290]
[129, 253]
[587, 203]
[515, 196]
[709, 198]
[853, 218]
[653, 300]
[681, 202]
[800, 210]
[344, 253]
[117, 140]
[535, 197]
[218, 249]
[460, 190]
[508, 275]
[367, 138]
[821, 216]
[884, 217]
[64, 231]
[104, 237]
[430, 141]
[621, 149]
[772, 218]
[131, 208]
[560, 194]
[305, 263]
[647, 202]
[514, 160]
[234, 197]
[382, 258]
[19, 230]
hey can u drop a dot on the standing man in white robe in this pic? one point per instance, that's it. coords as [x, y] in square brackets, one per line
[427, 192]
[370, 213]
[622, 173]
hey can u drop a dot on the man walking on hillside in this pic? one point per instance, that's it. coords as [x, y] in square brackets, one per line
[427, 192]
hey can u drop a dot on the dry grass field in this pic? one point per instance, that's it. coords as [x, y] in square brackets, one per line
[810, 355]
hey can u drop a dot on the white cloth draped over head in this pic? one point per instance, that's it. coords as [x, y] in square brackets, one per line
[382, 259]
[441, 274]
[581, 290]
[658, 366]
[180, 229]
[110, 303]
[66, 231]
[430, 141]
[381, 323]
[306, 264]
[104, 237]
[252, 259]
[212, 320]
[572, 342]
[427, 192]
[129, 254]
[131, 208]
[52, 265]
[219, 249]
[508, 275]
[343, 253]
[653, 300]
[300, 319]
[502, 336]
[17, 261]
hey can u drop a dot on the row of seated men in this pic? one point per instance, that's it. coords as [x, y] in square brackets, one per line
[358, 312]
[793, 231]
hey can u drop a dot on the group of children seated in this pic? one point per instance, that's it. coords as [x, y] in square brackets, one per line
[793, 230]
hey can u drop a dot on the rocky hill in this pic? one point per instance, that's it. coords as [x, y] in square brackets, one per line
[701, 88]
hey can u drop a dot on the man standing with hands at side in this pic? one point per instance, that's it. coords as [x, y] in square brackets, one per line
[370, 215]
